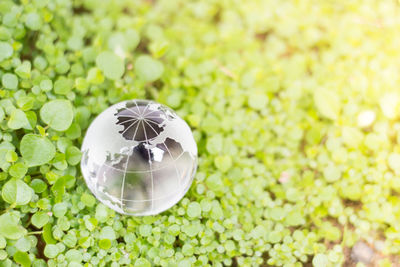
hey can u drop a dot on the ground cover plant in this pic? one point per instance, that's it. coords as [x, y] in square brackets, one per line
[294, 106]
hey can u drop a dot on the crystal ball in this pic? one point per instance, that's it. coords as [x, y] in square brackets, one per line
[139, 157]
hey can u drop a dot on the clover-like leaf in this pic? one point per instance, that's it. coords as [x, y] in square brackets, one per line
[58, 114]
[17, 192]
[148, 69]
[36, 150]
[111, 65]
[10, 226]
[328, 103]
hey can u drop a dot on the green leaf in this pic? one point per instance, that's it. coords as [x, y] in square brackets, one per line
[10, 227]
[23, 244]
[277, 213]
[5, 147]
[81, 84]
[58, 114]
[91, 224]
[105, 244]
[25, 103]
[101, 213]
[62, 66]
[73, 155]
[88, 200]
[331, 232]
[158, 49]
[38, 185]
[3, 242]
[51, 251]
[58, 189]
[328, 103]
[4, 258]
[145, 230]
[389, 104]
[9, 81]
[36, 150]
[63, 224]
[63, 143]
[40, 62]
[332, 173]
[22, 258]
[6, 50]
[59, 162]
[294, 218]
[46, 85]
[69, 180]
[60, 209]
[16, 192]
[187, 250]
[74, 255]
[74, 131]
[194, 210]
[215, 144]
[69, 239]
[223, 163]
[85, 242]
[111, 65]
[63, 86]
[216, 212]
[18, 170]
[11, 156]
[33, 21]
[31, 115]
[352, 137]
[148, 69]
[320, 260]
[75, 43]
[24, 70]
[2, 115]
[191, 230]
[18, 120]
[95, 76]
[48, 234]
[142, 262]
[39, 219]
[274, 237]
[107, 232]
[43, 203]
[258, 101]
[394, 162]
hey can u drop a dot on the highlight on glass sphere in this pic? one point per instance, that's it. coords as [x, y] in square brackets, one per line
[139, 157]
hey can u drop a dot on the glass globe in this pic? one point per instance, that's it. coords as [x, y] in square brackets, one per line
[139, 157]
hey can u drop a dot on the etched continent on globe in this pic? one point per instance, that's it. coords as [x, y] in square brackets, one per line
[139, 157]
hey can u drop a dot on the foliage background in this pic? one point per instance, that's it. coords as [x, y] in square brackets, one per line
[294, 105]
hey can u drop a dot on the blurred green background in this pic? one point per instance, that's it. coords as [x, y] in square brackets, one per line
[294, 105]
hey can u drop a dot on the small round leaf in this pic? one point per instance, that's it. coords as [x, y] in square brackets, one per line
[73, 155]
[111, 65]
[16, 191]
[51, 251]
[39, 219]
[10, 227]
[148, 69]
[58, 114]
[36, 150]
